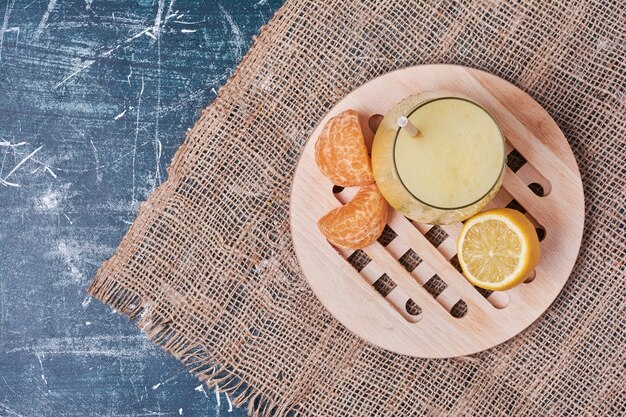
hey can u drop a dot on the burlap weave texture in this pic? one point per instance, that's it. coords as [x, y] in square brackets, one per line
[209, 272]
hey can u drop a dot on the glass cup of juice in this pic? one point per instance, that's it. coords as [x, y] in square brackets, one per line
[445, 163]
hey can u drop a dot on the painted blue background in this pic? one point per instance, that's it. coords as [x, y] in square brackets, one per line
[95, 97]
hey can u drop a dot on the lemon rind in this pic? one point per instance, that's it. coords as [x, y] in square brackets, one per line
[514, 277]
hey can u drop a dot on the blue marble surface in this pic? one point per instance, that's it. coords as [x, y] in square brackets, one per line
[95, 97]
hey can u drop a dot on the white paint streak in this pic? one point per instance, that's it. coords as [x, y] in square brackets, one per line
[110, 346]
[188, 30]
[159, 149]
[169, 13]
[261, 3]
[80, 69]
[126, 20]
[5, 23]
[68, 218]
[146, 31]
[217, 396]
[44, 19]
[89, 63]
[13, 147]
[237, 35]
[230, 404]
[111, 163]
[164, 382]
[157, 20]
[133, 201]
[11, 412]
[9, 184]
[119, 116]
[86, 301]
[95, 155]
[16, 167]
[180, 411]
[180, 22]
[134, 388]
[4, 158]
[48, 170]
[200, 388]
[43, 377]
[8, 144]
[9, 387]
[87, 323]
[157, 142]
[152, 413]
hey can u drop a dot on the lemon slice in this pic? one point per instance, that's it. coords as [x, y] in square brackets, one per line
[498, 249]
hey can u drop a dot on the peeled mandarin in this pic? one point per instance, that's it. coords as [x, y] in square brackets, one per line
[358, 223]
[340, 151]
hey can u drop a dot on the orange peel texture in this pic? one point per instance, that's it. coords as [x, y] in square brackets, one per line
[358, 223]
[340, 151]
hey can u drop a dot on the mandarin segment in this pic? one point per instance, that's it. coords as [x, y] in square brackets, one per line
[358, 223]
[340, 151]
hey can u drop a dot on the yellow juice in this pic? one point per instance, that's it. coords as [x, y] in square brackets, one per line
[447, 172]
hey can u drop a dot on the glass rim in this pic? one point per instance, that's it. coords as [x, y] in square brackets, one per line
[428, 101]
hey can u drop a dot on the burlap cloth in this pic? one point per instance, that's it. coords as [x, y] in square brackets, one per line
[208, 268]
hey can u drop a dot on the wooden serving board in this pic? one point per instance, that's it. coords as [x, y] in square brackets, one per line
[406, 311]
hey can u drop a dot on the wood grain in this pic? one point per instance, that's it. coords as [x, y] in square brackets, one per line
[435, 333]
